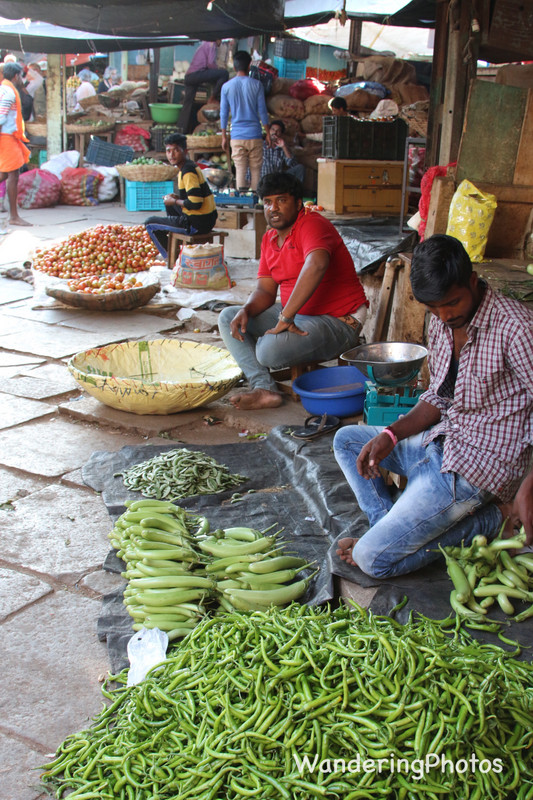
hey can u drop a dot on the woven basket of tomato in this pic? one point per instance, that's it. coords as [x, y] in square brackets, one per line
[114, 292]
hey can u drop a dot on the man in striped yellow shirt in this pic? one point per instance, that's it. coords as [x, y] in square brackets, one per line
[192, 209]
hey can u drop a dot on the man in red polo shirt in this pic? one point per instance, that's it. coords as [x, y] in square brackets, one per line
[323, 305]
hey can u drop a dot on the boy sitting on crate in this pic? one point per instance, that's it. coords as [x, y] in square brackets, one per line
[192, 210]
[466, 447]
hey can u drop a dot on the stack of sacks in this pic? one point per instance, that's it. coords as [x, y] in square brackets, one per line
[289, 109]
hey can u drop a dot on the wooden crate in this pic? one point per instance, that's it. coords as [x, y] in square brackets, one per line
[346, 186]
[138, 72]
[512, 220]
[227, 218]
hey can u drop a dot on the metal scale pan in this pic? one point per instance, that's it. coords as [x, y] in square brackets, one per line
[391, 367]
[387, 363]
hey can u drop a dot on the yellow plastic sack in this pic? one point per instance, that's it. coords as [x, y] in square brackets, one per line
[470, 217]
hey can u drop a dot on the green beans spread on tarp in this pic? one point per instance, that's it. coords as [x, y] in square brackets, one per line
[307, 702]
[179, 473]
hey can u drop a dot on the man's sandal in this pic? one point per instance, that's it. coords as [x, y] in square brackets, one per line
[316, 426]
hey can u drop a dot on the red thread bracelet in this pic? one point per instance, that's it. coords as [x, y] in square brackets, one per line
[392, 435]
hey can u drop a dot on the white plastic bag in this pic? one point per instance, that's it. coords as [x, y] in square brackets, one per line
[56, 164]
[146, 648]
[108, 189]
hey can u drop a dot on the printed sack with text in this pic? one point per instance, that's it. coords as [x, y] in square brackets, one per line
[201, 266]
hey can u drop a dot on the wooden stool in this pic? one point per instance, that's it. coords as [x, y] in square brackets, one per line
[285, 377]
[81, 140]
[177, 239]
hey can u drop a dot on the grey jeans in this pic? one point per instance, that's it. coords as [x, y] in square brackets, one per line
[260, 352]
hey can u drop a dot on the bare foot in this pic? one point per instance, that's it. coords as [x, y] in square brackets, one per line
[345, 548]
[257, 398]
[20, 221]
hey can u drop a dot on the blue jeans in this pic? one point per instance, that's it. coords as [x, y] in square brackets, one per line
[158, 229]
[259, 353]
[298, 171]
[435, 507]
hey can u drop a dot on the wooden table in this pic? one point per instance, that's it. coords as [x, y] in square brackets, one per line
[245, 226]
[81, 140]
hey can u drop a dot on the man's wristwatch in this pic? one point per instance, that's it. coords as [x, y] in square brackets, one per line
[286, 320]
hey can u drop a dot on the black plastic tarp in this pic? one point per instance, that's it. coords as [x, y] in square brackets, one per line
[416, 14]
[154, 18]
[298, 485]
[370, 241]
[295, 484]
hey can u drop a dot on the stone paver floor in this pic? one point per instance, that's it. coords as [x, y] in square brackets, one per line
[54, 529]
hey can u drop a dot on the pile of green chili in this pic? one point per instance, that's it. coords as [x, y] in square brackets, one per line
[179, 473]
[241, 701]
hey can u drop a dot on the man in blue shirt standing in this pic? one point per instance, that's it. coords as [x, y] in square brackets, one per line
[244, 98]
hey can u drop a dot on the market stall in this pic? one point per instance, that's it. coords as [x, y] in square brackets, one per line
[256, 687]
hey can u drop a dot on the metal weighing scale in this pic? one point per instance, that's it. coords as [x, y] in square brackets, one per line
[219, 180]
[393, 388]
[236, 198]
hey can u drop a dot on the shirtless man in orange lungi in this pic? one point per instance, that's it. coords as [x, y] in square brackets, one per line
[13, 151]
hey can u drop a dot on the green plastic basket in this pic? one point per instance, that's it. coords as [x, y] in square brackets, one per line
[165, 112]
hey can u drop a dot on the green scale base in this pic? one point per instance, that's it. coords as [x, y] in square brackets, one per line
[384, 404]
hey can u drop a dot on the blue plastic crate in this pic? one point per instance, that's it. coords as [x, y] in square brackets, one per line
[147, 195]
[290, 68]
[43, 156]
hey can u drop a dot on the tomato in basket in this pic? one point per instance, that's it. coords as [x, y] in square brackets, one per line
[105, 284]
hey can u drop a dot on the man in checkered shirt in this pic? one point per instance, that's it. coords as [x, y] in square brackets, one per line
[466, 447]
[276, 154]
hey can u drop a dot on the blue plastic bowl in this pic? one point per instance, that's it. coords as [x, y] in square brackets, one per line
[332, 390]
